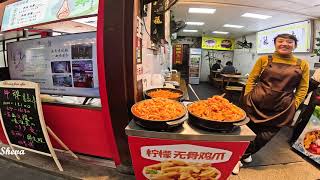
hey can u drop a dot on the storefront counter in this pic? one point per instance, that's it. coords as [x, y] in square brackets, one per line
[176, 77]
[188, 145]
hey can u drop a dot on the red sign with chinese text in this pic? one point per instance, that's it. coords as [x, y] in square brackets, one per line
[178, 54]
[174, 159]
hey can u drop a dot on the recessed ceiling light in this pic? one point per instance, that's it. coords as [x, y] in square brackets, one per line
[202, 10]
[220, 32]
[195, 23]
[257, 16]
[190, 30]
[232, 26]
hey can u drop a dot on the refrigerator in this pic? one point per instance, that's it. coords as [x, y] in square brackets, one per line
[194, 65]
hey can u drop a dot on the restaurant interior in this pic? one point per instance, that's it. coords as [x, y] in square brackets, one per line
[241, 22]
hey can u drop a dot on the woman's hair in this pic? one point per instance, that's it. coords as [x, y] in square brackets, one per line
[229, 63]
[287, 36]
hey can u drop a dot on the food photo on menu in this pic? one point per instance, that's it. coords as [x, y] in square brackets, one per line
[81, 51]
[62, 80]
[60, 67]
[82, 74]
[311, 142]
[226, 43]
[308, 142]
[181, 170]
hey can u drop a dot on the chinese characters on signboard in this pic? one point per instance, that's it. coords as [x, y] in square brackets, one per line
[157, 24]
[186, 152]
[178, 54]
[21, 119]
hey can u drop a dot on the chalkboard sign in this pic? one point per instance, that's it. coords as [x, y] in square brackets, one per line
[22, 119]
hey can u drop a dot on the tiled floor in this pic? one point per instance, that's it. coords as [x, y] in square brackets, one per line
[205, 90]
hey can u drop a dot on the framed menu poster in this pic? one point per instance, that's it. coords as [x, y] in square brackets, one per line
[63, 65]
[302, 31]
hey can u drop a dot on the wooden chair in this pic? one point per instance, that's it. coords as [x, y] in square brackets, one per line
[231, 90]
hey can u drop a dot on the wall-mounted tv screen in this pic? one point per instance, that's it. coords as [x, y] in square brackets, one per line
[63, 65]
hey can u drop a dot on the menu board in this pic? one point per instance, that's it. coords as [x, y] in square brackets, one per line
[209, 42]
[64, 65]
[20, 116]
[308, 142]
[31, 12]
[302, 31]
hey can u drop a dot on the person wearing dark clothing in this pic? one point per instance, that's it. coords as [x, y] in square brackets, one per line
[216, 66]
[229, 68]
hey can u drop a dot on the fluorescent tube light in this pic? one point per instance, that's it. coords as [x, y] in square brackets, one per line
[202, 10]
[220, 32]
[195, 23]
[190, 30]
[232, 26]
[257, 16]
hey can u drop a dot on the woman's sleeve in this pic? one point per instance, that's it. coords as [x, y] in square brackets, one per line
[302, 89]
[255, 73]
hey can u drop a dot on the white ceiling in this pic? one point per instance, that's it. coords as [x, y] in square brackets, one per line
[230, 11]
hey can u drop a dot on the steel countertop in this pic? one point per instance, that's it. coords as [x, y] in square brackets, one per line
[189, 132]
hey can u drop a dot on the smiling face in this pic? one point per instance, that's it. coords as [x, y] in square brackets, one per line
[285, 46]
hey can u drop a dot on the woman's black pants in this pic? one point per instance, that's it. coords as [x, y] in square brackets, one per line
[263, 135]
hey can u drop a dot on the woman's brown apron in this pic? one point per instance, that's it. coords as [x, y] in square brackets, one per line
[272, 102]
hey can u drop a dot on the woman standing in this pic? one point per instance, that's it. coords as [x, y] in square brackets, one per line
[275, 88]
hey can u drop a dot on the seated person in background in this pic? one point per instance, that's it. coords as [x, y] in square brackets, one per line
[216, 66]
[229, 68]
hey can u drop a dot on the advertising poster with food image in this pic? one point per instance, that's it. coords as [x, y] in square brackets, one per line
[157, 159]
[308, 142]
[209, 42]
[30, 12]
[64, 65]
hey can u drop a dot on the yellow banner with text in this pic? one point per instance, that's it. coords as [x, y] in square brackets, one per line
[209, 42]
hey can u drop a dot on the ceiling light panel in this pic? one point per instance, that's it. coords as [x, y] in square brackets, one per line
[233, 26]
[190, 30]
[256, 16]
[202, 10]
[220, 32]
[195, 23]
